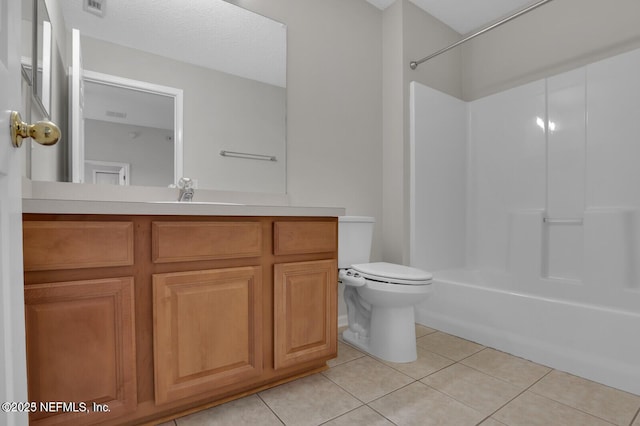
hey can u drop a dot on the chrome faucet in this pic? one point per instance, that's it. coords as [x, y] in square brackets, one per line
[186, 189]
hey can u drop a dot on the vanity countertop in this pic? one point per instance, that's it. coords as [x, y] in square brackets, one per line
[53, 206]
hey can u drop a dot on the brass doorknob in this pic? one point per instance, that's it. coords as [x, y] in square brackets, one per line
[43, 132]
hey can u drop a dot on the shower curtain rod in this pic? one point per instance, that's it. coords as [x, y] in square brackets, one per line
[414, 64]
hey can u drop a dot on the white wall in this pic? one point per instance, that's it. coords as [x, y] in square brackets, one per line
[559, 36]
[149, 153]
[334, 103]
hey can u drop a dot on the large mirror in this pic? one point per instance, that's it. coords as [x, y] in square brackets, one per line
[228, 63]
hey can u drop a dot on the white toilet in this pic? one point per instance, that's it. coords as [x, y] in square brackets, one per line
[380, 296]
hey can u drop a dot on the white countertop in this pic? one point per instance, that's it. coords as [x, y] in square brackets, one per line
[55, 206]
[74, 198]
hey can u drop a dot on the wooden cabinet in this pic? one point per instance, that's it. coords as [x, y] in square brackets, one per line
[50, 245]
[187, 241]
[305, 312]
[206, 330]
[156, 316]
[294, 237]
[81, 349]
[80, 330]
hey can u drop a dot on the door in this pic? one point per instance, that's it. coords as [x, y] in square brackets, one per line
[13, 376]
[88, 330]
[207, 331]
[305, 312]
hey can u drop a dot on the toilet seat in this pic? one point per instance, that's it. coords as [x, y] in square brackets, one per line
[392, 273]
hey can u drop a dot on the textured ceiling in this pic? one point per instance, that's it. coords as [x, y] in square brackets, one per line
[464, 16]
[209, 33]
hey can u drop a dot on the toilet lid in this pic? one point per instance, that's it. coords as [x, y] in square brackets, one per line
[393, 273]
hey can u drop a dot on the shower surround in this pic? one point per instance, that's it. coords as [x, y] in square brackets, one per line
[526, 206]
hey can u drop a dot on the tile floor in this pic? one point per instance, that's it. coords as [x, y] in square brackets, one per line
[453, 382]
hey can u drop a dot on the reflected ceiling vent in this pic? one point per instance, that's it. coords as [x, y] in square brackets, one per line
[94, 6]
[116, 114]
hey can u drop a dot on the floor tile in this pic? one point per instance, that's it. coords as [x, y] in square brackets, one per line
[346, 353]
[423, 330]
[602, 401]
[532, 410]
[418, 404]
[241, 412]
[473, 388]
[364, 416]
[427, 363]
[449, 346]
[308, 401]
[367, 379]
[491, 422]
[517, 371]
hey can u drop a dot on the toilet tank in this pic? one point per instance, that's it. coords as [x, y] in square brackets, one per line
[355, 234]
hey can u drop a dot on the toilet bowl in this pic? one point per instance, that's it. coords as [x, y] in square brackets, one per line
[380, 296]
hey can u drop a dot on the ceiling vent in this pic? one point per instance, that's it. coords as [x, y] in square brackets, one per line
[94, 6]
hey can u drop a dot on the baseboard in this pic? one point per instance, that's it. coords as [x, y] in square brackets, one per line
[342, 321]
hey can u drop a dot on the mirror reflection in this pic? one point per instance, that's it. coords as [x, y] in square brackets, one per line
[230, 65]
[42, 76]
[132, 133]
[27, 39]
[36, 48]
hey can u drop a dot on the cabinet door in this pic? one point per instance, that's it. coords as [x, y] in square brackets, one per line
[81, 350]
[207, 331]
[305, 312]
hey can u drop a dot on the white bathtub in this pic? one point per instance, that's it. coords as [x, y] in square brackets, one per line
[596, 342]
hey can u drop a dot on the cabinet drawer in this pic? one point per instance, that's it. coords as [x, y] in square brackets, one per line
[304, 237]
[52, 245]
[188, 241]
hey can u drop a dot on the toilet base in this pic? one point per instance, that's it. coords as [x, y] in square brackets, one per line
[392, 335]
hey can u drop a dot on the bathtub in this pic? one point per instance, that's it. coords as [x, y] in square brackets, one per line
[596, 342]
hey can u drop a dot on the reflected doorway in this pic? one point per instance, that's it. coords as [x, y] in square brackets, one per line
[130, 122]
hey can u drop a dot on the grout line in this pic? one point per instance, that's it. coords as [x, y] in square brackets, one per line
[550, 399]
[395, 390]
[637, 416]
[346, 390]
[270, 409]
[382, 415]
[518, 395]
[343, 414]
[566, 404]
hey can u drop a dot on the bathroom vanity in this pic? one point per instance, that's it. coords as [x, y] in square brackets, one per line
[146, 311]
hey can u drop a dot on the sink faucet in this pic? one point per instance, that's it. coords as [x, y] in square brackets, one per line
[186, 189]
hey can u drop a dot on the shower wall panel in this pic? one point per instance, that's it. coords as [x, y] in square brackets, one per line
[438, 179]
[506, 169]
